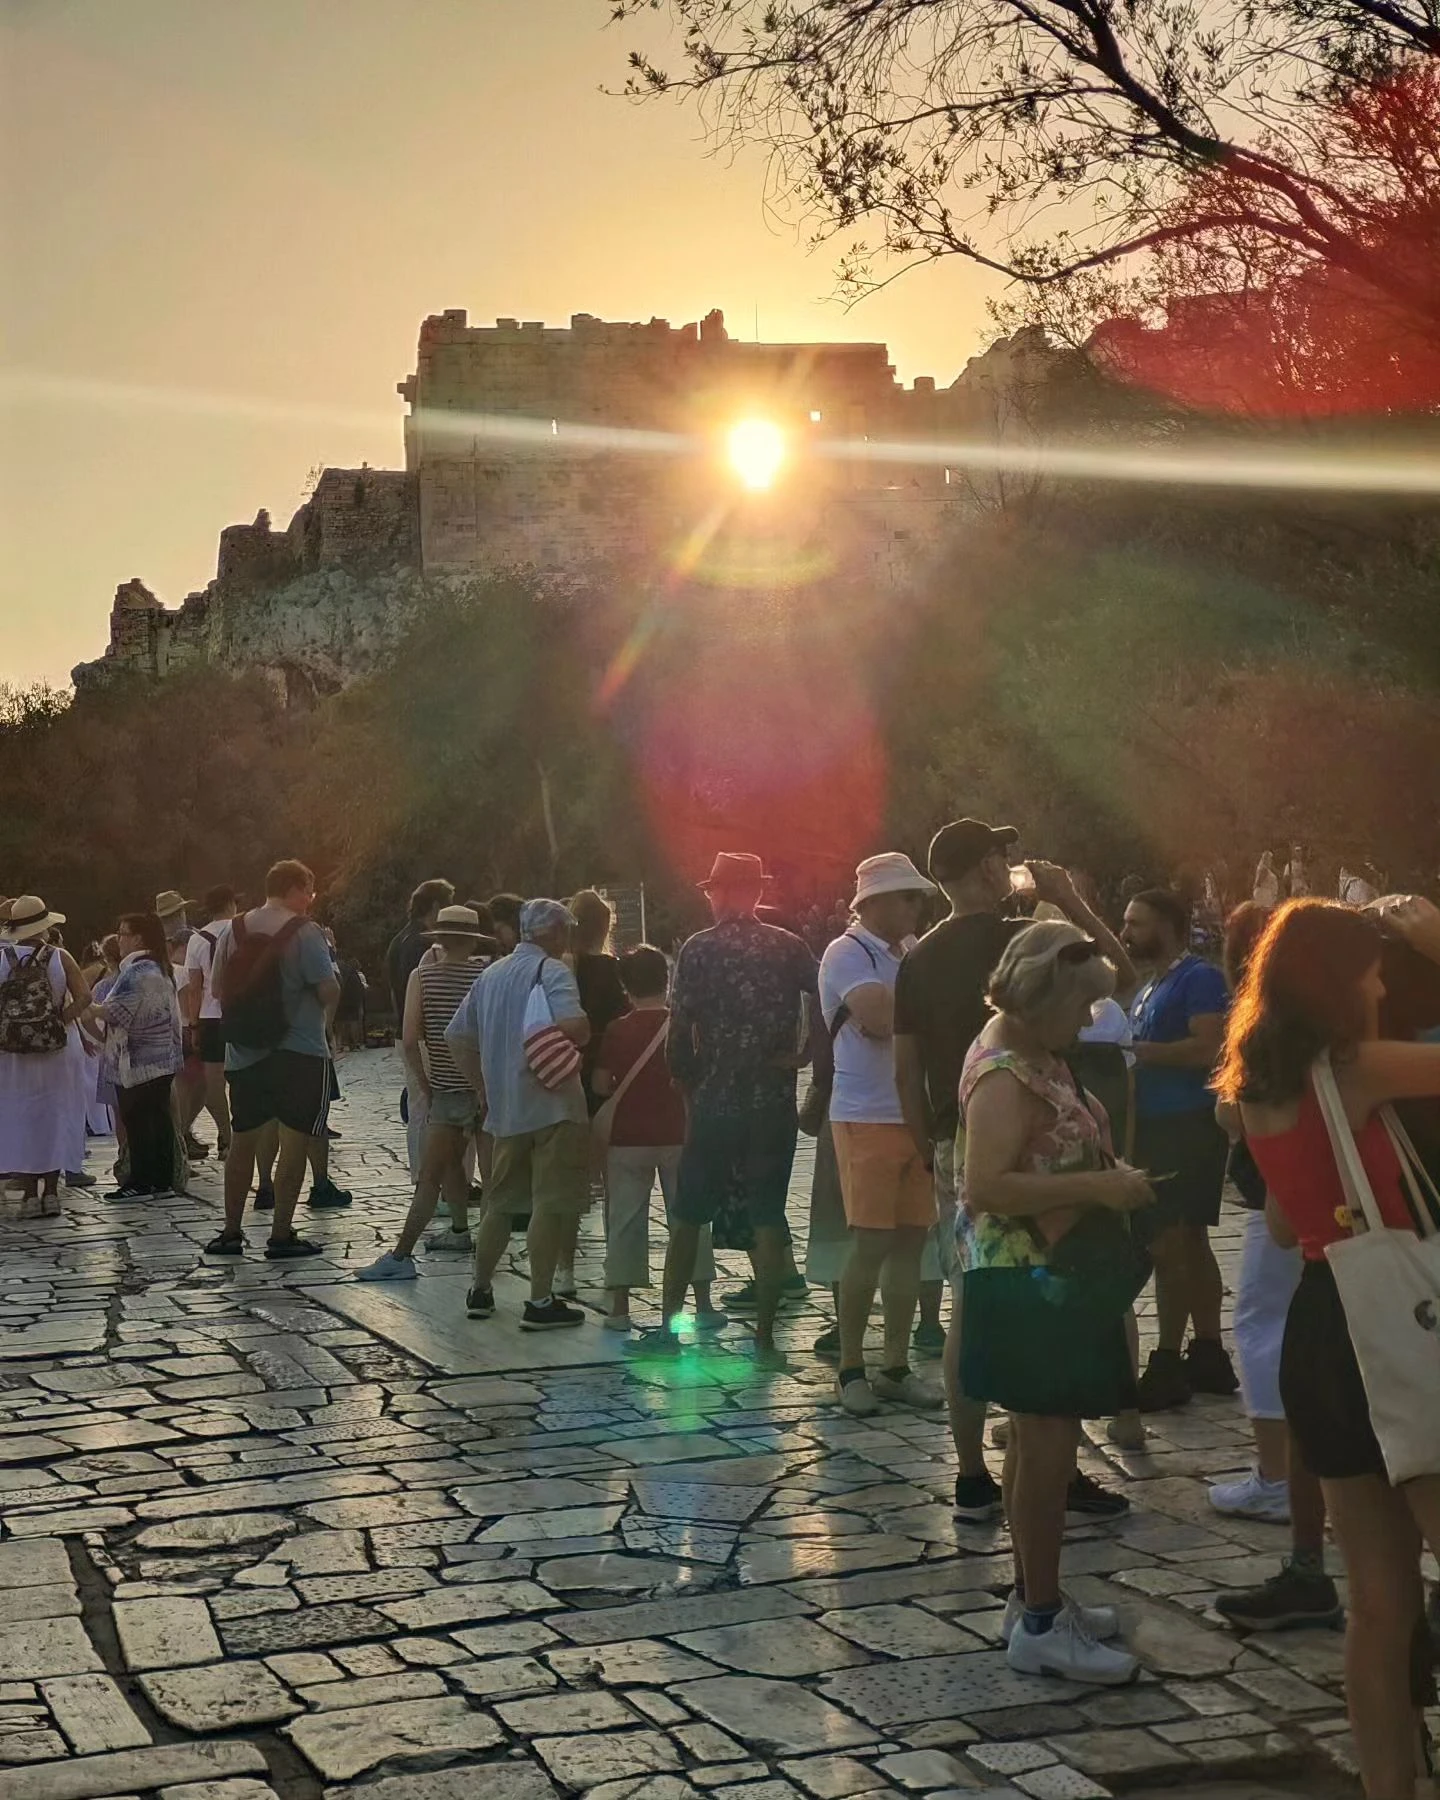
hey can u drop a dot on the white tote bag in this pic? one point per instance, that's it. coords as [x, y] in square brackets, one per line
[1389, 1284]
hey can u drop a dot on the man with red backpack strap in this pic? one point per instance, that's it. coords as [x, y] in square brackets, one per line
[276, 984]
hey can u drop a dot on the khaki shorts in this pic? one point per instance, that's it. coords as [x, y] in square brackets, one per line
[541, 1171]
[947, 1246]
[884, 1182]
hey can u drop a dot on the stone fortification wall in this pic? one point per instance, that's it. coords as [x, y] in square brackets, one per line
[498, 477]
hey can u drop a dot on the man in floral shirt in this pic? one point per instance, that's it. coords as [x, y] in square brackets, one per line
[737, 1020]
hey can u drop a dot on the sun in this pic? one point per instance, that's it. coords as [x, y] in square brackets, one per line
[756, 449]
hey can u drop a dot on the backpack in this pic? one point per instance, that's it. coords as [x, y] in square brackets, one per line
[250, 989]
[30, 1017]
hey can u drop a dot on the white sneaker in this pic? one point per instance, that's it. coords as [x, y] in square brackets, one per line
[389, 1267]
[858, 1398]
[1069, 1650]
[1101, 1622]
[1253, 1498]
[450, 1239]
[909, 1390]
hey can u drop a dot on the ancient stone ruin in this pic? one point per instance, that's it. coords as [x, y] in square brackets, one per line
[582, 454]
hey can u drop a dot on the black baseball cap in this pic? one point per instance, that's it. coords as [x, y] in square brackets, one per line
[963, 845]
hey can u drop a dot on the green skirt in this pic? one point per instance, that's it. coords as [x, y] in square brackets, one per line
[1023, 1351]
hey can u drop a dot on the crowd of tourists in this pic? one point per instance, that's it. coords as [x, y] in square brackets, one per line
[1019, 1107]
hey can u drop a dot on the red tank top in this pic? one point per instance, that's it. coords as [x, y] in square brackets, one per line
[1300, 1172]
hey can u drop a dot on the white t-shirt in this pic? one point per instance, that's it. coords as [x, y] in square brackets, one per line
[1110, 1024]
[201, 955]
[864, 1091]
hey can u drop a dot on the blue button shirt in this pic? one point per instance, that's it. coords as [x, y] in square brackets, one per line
[1161, 1014]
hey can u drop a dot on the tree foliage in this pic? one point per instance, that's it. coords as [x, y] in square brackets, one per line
[1044, 138]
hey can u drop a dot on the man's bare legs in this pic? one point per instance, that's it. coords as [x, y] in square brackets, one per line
[967, 1417]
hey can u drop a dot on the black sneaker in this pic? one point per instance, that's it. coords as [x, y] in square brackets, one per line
[326, 1197]
[1085, 1495]
[265, 1197]
[793, 1289]
[977, 1498]
[130, 1193]
[291, 1249]
[330, 1132]
[225, 1246]
[928, 1339]
[1208, 1368]
[1164, 1384]
[549, 1315]
[1293, 1598]
[194, 1149]
[827, 1345]
[480, 1303]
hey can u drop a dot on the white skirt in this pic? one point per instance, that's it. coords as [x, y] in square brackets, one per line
[1269, 1277]
[42, 1113]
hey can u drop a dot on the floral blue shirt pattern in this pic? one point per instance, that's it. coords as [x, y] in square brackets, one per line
[737, 1007]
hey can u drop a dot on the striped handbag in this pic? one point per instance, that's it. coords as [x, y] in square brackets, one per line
[552, 1057]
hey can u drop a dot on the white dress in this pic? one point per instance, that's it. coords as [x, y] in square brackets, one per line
[42, 1100]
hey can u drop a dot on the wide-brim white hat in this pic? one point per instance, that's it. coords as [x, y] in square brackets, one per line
[892, 872]
[29, 917]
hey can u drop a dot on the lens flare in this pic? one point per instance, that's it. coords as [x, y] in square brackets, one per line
[756, 449]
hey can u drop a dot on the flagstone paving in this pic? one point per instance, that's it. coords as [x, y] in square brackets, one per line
[267, 1531]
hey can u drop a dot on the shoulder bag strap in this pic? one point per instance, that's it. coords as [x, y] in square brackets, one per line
[1424, 1200]
[1359, 1195]
[639, 1063]
[842, 1011]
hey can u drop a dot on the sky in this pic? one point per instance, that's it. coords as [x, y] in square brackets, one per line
[223, 224]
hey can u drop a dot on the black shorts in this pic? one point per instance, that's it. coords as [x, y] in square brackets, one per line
[287, 1086]
[1320, 1385]
[210, 1040]
[1188, 1153]
[749, 1157]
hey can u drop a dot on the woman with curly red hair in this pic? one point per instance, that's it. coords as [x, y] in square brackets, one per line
[1314, 988]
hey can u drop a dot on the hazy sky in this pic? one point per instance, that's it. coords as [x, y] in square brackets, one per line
[223, 224]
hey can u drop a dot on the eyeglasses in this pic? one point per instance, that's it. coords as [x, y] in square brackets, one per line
[1075, 954]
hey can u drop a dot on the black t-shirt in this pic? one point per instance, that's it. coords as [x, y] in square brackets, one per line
[603, 1000]
[940, 999]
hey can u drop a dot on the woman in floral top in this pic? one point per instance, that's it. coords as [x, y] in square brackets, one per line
[1040, 1337]
[142, 1053]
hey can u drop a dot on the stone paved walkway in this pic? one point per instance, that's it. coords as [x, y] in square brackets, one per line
[270, 1532]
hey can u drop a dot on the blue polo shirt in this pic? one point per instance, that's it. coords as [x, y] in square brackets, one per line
[1160, 1014]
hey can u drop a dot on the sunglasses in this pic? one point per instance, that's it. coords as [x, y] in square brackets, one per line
[1075, 954]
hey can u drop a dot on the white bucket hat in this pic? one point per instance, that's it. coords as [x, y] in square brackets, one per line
[892, 872]
[29, 917]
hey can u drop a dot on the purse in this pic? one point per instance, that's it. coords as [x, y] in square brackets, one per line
[1389, 1284]
[552, 1057]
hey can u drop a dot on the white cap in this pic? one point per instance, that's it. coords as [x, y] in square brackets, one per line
[892, 872]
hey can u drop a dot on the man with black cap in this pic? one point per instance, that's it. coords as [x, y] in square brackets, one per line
[940, 1008]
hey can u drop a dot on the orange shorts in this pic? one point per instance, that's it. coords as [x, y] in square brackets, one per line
[882, 1178]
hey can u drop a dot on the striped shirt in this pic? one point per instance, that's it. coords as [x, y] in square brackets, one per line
[443, 987]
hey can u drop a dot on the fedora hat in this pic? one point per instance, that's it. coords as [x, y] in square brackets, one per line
[892, 872]
[169, 903]
[735, 868]
[29, 917]
[456, 921]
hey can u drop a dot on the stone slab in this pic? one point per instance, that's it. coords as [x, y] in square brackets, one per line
[131, 1771]
[658, 1618]
[778, 1717]
[93, 1713]
[502, 1780]
[342, 1744]
[165, 1633]
[36, 1648]
[940, 1687]
[230, 1696]
[789, 1647]
[33, 1562]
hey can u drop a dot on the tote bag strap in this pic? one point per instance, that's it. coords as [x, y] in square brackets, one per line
[1359, 1195]
[1424, 1200]
[638, 1065]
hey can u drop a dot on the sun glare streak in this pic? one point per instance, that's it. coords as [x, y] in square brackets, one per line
[1340, 471]
[756, 450]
